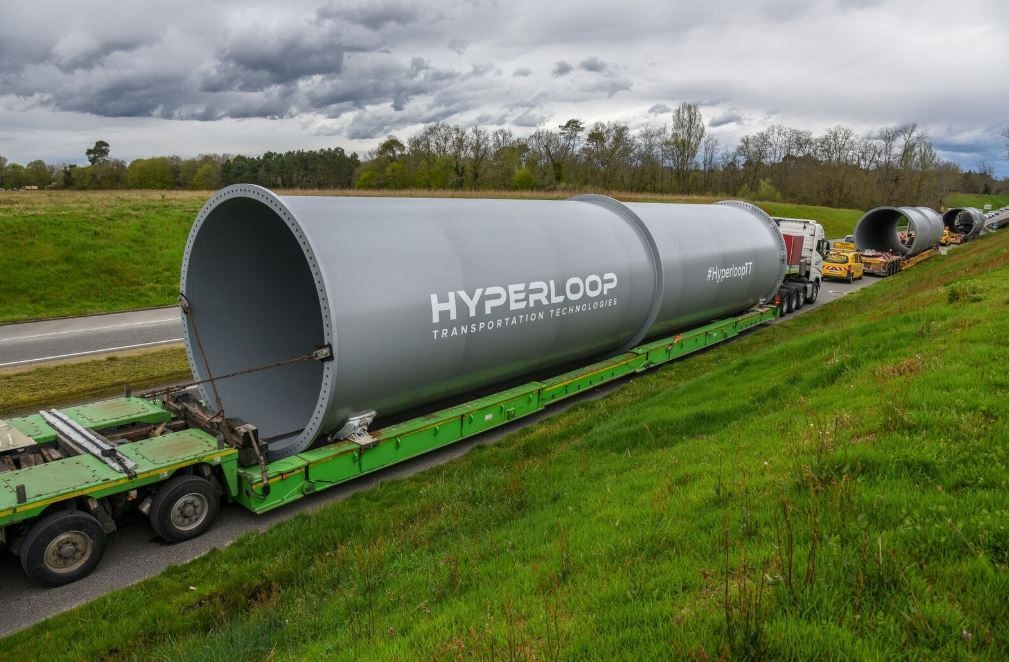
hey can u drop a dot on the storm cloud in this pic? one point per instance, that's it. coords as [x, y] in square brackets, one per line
[190, 77]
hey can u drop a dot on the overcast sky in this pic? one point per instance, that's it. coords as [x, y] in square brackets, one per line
[188, 77]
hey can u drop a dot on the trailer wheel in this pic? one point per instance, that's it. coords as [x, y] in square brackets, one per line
[62, 547]
[184, 508]
[786, 303]
[815, 292]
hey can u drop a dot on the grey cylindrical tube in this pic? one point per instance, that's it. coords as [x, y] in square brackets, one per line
[879, 229]
[967, 221]
[425, 299]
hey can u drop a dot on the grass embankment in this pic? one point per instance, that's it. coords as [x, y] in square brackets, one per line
[79, 252]
[31, 388]
[834, 486]
[976, 200]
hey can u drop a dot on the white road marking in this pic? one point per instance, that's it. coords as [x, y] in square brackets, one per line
[95, 328]
[93, 351]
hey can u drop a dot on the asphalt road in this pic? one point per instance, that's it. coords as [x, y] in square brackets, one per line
[134, 553]
[82, 337]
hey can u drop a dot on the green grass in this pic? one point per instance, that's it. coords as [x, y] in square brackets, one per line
[79, 252]
[28, 389]
[72, 253]
[976, 200]
[836, 222]
[831, 487]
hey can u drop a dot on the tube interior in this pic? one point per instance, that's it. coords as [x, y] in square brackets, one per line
[959, 220]
[255, 302]
[880, 230]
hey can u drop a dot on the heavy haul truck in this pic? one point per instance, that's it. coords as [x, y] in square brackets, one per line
[805, 249]
[332, 337]
[63, 488]
[893, 239]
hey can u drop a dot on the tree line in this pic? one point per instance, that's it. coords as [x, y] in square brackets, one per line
[322, 168]
[838, 168]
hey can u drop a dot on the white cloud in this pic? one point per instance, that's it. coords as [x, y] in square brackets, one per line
[190, 77]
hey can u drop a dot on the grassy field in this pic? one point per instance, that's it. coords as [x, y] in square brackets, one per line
[832, 487]
[31, 388]
[976, 200]
[79, 252]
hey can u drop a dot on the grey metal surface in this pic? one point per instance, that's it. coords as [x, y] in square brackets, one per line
[879, 229]
[967, 221]
[424, 299]
[696, 244]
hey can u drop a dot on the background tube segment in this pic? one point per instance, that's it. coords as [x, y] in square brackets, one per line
[967, 221]
[879, 229]
[426, 299]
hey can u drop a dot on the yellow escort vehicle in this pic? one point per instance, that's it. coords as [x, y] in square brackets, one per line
[843, 265]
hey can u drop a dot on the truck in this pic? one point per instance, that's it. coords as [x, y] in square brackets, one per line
[805, 248]
[886, 263]
[68, 475]
[461, 323]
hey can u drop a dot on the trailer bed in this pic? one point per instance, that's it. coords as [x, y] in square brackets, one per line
[141, 443]
[40, 475]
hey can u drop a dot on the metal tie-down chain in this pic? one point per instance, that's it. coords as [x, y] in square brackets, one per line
[324, 353]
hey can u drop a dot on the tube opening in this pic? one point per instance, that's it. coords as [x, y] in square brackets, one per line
[962, 221]
[255, 302]
[885, 229]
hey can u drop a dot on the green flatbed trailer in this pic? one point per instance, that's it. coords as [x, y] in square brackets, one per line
[60, 497]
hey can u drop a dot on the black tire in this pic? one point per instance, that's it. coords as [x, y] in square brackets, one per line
[62, 547]
[800, 300]
[815, 292]
[786, 303]
[850, 277]
[184, 508]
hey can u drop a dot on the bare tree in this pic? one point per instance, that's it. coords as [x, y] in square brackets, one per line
[685, 140]
[477, 150]
[949, 178]
[647, 159]
[709, 156]
[546, 148]
[607, 148]
[754, 151]
[837, 149]
[1005, 134]
[571, 135]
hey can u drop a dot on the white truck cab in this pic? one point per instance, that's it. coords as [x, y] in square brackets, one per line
[806, 247]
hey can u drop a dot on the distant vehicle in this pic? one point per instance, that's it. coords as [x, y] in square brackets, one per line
[843, 265]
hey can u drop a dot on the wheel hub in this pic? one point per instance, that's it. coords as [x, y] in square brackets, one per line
[68, 551]
[189, 511]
